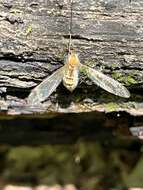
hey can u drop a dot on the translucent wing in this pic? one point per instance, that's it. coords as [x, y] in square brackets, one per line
[45, 88]
[105, 82]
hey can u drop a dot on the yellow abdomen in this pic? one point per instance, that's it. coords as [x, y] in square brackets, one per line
[70, 78]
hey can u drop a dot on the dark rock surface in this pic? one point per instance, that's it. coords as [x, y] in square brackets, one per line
[34, 37]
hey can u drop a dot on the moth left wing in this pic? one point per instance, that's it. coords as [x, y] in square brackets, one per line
[105, 82]
[45, 88]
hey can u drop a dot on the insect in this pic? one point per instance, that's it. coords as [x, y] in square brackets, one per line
[69, 74]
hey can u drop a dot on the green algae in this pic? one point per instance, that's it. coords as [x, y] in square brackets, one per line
[113, 107]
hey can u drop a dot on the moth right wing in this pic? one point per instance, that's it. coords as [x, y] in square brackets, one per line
[105, 82]
[46, 87]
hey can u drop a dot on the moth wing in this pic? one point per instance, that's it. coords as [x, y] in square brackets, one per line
[105, 82]
[46, 87]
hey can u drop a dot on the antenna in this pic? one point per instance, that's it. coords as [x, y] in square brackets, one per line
[70, 24]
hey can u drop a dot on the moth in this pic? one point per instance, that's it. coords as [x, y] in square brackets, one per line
[69, 74]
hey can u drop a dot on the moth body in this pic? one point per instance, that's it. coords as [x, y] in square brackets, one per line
[71, 71]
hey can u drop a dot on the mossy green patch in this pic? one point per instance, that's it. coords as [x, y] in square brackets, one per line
[114, 65]
[131, 80]
[128, 80]
[116, 75]
[29, 30]
[110, 107]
